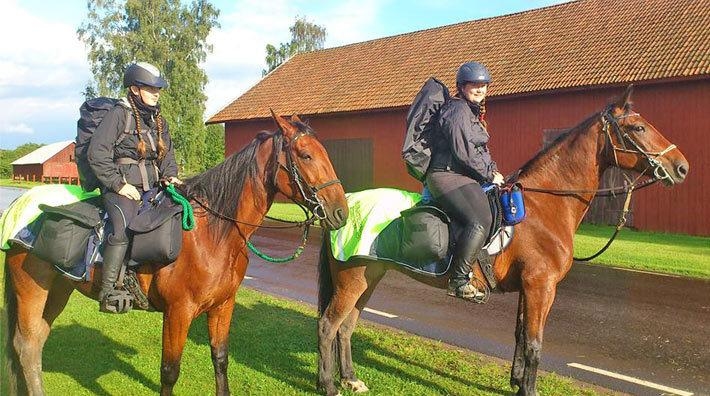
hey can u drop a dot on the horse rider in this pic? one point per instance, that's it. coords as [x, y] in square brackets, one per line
[460, 164]
[130, 151]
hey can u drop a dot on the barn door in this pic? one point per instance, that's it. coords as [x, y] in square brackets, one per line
[352, 160]
[604, 210]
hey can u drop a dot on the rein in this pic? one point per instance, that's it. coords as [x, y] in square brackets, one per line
[308, 192]
[659, 173]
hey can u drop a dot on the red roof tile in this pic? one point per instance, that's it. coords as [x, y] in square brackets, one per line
[587, 42]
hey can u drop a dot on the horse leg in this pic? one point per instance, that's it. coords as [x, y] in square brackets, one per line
[56, 301]
[516, 372]
[176, 323]
[218, 322]
[347, 371]
[538, 301]
[349, 285]
[32, 279]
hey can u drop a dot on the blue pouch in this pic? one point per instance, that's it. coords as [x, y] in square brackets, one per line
[511, 199]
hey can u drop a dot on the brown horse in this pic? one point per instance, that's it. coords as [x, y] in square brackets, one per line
[539, 256]
[213, 260]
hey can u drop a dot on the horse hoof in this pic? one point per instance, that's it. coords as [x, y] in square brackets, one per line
[356, 386]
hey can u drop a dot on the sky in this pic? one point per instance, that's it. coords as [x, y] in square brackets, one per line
[44, 67]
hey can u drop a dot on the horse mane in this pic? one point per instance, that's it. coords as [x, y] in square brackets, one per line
[221, 186]
[532, 163]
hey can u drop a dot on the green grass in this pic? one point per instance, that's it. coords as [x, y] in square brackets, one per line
[272, 352]
[647, 251]
[18, 184]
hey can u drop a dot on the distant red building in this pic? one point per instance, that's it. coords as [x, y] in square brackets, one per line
[52, 163]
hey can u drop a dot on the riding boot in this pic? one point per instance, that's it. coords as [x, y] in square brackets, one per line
[470, 243]
[113, 255]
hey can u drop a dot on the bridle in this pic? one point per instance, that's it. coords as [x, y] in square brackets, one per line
[659, 172]
[314, 203]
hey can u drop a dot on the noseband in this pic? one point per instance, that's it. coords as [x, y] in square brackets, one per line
[659, 172]
[308, 192]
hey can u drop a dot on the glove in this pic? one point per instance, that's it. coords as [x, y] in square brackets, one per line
[498, 179]
[130, 192]
[171, 180]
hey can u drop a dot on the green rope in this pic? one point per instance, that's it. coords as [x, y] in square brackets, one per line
[280, 260]
[188, 217]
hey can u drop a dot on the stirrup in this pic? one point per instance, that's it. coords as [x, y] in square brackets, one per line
[116, 301]
[467, 292]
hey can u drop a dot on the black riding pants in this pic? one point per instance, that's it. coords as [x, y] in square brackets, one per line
[462, 198]
[121, 210]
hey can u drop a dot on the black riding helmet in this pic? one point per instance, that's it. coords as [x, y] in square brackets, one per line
[472, 72]
[144, 74]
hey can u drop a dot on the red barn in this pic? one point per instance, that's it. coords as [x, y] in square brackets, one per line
[552, 68]
[53, 163]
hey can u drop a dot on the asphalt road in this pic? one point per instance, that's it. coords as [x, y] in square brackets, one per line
[647, 333]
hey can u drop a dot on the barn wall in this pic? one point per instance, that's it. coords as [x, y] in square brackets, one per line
[677, 109]
[62, 164]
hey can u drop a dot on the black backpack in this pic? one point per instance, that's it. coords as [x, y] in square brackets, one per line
[91, 113]
[421, 124]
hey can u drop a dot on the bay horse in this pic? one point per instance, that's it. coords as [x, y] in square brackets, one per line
[540, 254]
[236, 195]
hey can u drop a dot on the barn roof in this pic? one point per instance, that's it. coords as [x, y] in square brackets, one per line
[42, 154]
[577, 44]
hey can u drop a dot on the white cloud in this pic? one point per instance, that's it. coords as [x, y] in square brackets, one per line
[16, 128]
[240, 43]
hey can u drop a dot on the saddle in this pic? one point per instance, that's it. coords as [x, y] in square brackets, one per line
[421, 239]
[71, 237]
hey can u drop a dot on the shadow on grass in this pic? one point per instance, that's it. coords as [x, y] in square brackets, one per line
[67, 344]
[281, 343]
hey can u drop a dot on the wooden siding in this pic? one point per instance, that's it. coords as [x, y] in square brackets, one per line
[677, 109]
[61, 167]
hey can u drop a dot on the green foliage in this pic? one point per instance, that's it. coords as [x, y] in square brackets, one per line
[169, 35]
[675, 254]
[305, 37]
[8, 156]
[214, 145]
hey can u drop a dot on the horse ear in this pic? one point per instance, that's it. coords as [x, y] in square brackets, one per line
[284, 126]
[625, 101]
[295, 118]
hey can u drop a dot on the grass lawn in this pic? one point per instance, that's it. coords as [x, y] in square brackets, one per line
[272, 352]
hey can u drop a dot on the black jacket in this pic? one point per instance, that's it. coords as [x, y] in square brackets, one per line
[461, 143]
[103, 150]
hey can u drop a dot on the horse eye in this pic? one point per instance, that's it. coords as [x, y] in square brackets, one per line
[305, 157]
[639, 128]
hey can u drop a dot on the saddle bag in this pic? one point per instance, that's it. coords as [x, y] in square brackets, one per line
[511, 200]
[157, 233]
[425, 234]
[65, 231]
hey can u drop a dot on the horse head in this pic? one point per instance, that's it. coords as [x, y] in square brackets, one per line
[307, 175]
[635, 144]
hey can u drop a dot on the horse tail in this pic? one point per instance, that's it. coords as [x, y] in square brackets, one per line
[10, 376]
[325, 280]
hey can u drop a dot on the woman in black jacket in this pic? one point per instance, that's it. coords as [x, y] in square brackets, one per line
[130, 151]
[460, 164]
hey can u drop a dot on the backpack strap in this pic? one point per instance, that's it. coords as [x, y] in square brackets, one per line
[141, 163]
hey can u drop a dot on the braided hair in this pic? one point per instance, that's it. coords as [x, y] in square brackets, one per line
[482, 115]
[162, 149]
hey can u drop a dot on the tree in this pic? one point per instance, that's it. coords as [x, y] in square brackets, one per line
[8, 156]
[305, 37]
[169, 35]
